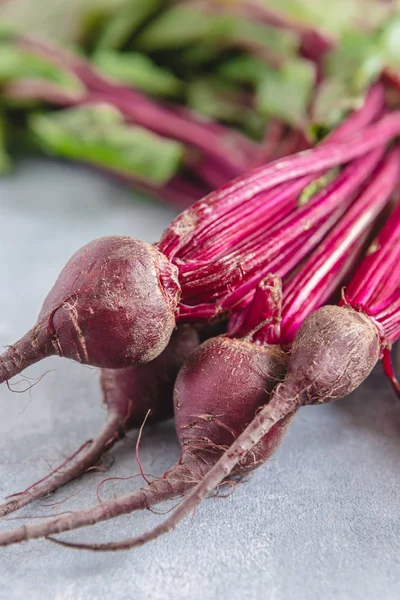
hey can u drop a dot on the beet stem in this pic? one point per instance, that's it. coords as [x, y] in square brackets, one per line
[388, 370]
[378, 275]
[191, 223]
[277, 249]
[325, 269]
[222, 231]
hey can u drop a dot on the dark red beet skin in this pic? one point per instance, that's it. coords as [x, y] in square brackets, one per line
[218, 391]
[334, 351]
[128, 394]
[133, 391]
[112, 305]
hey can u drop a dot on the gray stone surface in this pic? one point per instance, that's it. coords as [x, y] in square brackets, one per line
[320, 521]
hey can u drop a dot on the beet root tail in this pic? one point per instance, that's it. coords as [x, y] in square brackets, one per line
[281, 405]
[177, 482]
[389, 372]
[60, 477]
[24, 353]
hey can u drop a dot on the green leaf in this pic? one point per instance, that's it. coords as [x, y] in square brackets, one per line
[353, 66]
[124, 22]
[175, 28]
[388, 43]
[183, 25]
[332, 102]
[335, 17]
[64, 22]
[244, 69]
[286, 93]
[216, 99]
[348, 62]
[98, 135]
[254, 125]
[279, 41]
[139, 71]
[19, 64]
[200, 53]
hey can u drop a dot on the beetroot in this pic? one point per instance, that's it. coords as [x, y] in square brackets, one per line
[334, 351]
[128, 394]
[153, 382]
[336, 347]
[218, 391]
[342, 245]
[113, 305]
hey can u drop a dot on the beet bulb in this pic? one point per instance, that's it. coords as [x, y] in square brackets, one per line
[113, 305]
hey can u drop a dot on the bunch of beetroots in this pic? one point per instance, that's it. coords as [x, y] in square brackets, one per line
[117, 302]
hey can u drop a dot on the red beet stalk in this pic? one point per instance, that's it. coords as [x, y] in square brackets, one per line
[224, 233]
[316, 160]
[325, 270]
[282, 247]
[378, 275]
[274, 204]
[190, 225]
[375, 289]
